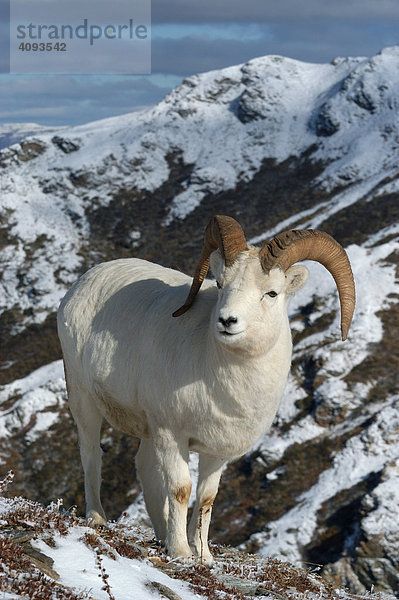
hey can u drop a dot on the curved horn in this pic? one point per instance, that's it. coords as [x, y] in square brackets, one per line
[223, 233]
[292, 246]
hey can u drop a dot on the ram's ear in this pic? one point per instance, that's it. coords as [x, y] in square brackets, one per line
[217, 263]
[295, 278]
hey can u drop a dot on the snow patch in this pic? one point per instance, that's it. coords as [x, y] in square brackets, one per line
[33, 401]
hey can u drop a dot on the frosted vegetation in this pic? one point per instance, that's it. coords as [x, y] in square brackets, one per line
[48, 553]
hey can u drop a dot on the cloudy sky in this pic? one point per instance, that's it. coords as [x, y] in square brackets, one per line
[191, 36]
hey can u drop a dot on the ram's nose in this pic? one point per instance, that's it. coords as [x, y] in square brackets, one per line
[226, 322]
[229, 324]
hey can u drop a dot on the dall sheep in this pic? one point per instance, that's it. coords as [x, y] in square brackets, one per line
[209, 381]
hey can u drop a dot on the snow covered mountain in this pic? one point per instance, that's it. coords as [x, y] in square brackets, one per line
[278, 144]
[13, 133]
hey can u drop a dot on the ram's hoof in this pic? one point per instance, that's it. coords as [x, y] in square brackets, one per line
[180, 553]
[95, 520]
[206, 560]
[186, 560]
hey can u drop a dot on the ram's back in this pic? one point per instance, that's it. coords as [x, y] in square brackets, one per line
[116, 322]
[109, 292]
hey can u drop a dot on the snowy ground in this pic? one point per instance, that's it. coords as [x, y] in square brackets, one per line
[123, 562]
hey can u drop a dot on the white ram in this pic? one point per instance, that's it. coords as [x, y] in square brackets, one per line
[209, 381]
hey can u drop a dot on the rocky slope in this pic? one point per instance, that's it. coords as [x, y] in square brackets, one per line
[278, 144]
[48, 553]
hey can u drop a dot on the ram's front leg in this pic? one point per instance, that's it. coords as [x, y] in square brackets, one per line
[172, 455]
[210, 470]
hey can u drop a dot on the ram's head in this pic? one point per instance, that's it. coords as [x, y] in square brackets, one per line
[249, 276]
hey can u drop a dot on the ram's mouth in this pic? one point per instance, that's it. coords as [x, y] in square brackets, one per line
[229, 334]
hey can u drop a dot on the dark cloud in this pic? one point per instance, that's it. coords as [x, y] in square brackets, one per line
[188, 56]
[250, 11]
[74, 100]
[4, 40]
[322, 40]
[191, 37]
[313, 40]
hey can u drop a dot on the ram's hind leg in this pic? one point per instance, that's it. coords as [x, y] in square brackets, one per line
[152, 481]
[210, 470]
[88, 421]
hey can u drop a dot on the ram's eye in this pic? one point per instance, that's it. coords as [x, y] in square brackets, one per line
[272, 294]
[218, 285]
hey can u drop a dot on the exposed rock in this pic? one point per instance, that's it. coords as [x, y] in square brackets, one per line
[326, 122]
[41, 561]
[378, 573]
[65, 144]
[341, 573]
[164, 590]
[23, 538]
